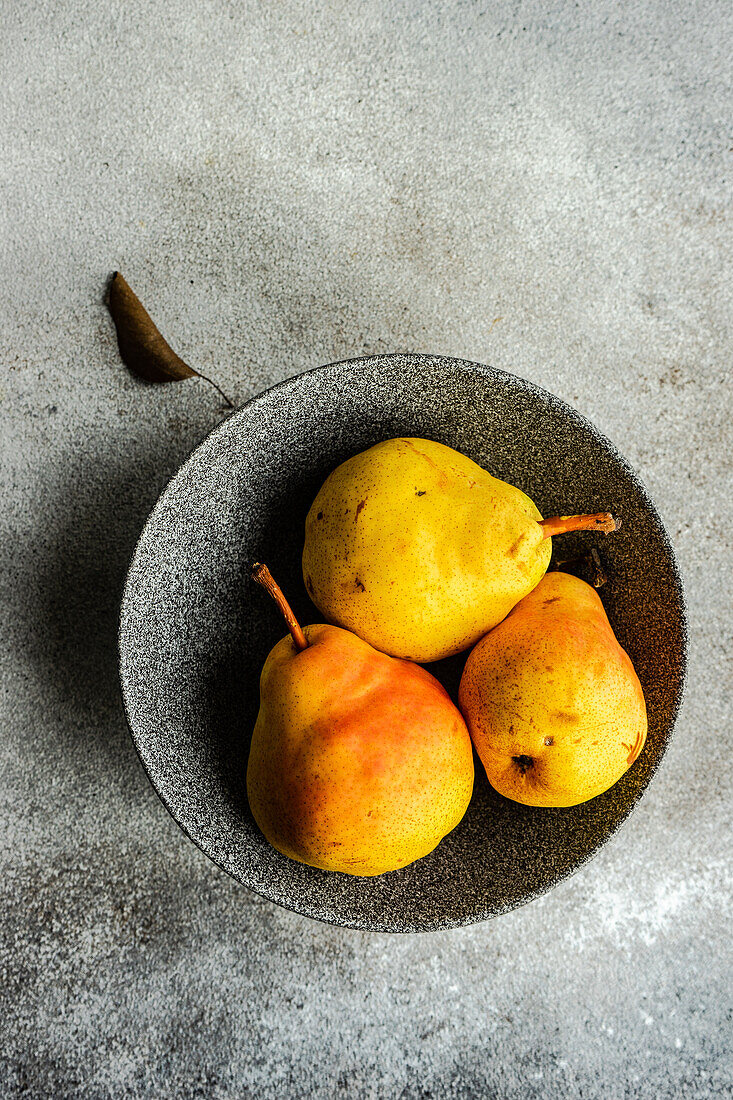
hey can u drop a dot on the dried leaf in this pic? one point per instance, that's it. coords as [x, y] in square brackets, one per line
[144, 351]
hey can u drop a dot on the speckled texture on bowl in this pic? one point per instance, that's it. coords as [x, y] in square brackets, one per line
[195, 631]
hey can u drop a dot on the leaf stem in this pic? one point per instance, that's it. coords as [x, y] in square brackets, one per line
[264, 577]
[216, 387]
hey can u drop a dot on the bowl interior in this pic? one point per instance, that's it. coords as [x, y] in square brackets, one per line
[195, 631]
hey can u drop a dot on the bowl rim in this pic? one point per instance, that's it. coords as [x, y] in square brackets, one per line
[467, 366]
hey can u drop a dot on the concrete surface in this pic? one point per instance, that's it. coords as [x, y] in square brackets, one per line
[541, 187]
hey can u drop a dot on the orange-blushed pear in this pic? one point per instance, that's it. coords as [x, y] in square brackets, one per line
[359, 762]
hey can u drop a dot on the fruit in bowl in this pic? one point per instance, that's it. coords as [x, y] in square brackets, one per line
[359, 762]
[420, 551]
[554, 706]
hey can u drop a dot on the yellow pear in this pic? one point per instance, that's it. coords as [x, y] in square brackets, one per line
[553, 704]
[420, 551]
[359, 762]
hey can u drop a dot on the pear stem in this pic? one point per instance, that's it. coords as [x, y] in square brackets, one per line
[599, 521]
[263, 576]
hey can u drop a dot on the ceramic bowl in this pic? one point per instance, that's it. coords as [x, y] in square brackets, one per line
[195, 630]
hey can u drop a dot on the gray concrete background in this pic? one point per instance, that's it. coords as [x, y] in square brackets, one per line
[542, 187]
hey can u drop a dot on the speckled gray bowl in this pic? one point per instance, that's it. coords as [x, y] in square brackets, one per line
[195, 631]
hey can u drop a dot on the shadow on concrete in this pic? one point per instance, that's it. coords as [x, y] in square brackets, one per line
[95, 509]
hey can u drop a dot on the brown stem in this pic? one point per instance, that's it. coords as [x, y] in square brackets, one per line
[263, 576]
[216, 387]
[560, 525]
[588, 567]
